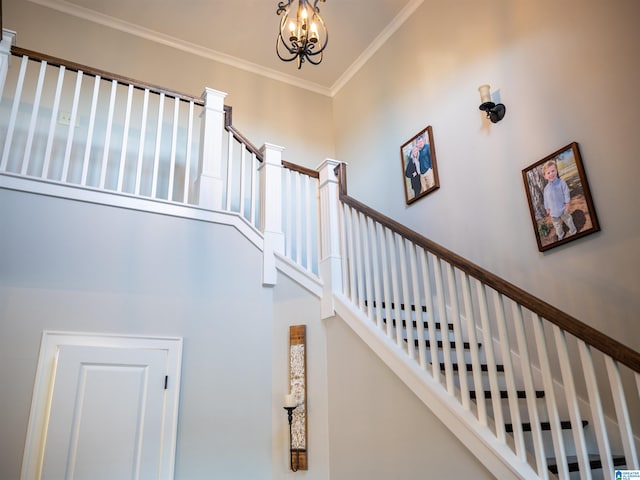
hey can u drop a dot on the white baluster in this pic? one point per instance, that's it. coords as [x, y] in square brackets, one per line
[72, 127]
[529, 388]
[512, 397]
[34, 118]
[395, 298]
[572, 403]
[457, 333]
[229, 189]
[490, 358]
[597, 413]
[52, 123]
[431, 323]
[366, 259]
[125, 139]
[377, 293]
[550, 397]
[622, 413]
[14, 114]
[348, 221]
[254, 171]
[156, 150]
[107, 140]
[385, 301]
[92, 122]
[174, 147]
[444, 335]
[406, 299]
[299, 206]
[474, 354]
[358, 258]
[187, 159]
[422, 354]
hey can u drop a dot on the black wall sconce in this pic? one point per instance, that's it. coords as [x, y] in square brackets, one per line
[290, 405]
[495, 112]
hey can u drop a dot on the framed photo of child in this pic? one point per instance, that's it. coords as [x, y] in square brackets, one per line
[559, 199]
[419, 168]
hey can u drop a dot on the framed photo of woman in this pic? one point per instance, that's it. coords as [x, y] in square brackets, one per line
[419, 167]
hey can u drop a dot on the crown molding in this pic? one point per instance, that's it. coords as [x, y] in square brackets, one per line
[167, 40]
[377, 43]
[194, 49]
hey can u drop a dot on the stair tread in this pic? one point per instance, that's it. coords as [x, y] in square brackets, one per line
[483, 367]
[393, 306]
[594, 461]
[505, 394]
[545, 426]
[465, 345]
[415, 324]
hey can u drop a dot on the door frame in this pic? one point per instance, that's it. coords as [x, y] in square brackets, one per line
[43, 392]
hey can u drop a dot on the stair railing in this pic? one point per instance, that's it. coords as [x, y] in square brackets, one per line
[70, 124]
[74, 124]
[524, 369]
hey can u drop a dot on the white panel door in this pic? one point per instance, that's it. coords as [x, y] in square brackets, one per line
[106, 417]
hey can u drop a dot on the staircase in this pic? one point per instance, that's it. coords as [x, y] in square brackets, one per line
[572, 463]
[551, 396]
[531, 391]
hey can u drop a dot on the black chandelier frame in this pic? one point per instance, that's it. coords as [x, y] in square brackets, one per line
[304, 47]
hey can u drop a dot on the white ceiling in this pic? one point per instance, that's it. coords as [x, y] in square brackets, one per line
[243, 32]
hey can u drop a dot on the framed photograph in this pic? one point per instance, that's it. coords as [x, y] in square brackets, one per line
[559, 199]
[419, 168]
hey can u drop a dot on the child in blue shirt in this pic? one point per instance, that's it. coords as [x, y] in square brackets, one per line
[556, 200]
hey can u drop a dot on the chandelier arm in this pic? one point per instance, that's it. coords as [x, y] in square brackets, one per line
[301, 44]
[311, 61]
[294, 54]
[282, 7]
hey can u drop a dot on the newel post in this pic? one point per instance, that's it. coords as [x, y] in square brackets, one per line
[271, 210]
[210, 182]
[330, 265]
[8, 39]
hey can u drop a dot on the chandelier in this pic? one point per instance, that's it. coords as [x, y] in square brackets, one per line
[303, 35]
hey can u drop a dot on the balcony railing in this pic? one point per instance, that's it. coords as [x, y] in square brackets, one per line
[70, 124]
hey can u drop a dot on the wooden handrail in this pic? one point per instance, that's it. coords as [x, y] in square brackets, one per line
[584, 332]
[17, 51]
[300, 169]
[228, 125]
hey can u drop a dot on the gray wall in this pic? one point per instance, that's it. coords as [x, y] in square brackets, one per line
[567, 71]
[379, 429]
[72, 266]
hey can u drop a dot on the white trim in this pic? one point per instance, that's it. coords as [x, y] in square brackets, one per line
[194, 49]
[480, 440]
[377, 43]
[123, 200]
[42, 390]
[298, 274]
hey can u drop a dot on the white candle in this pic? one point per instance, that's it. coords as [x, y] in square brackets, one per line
[290, 400]
[485, 93]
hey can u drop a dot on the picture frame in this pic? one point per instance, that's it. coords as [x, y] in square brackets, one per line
[419, 166]
[556, 220]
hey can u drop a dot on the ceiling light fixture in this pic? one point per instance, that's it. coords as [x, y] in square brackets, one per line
[303, 35]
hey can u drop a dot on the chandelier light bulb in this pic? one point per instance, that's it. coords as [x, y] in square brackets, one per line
[303, 35]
